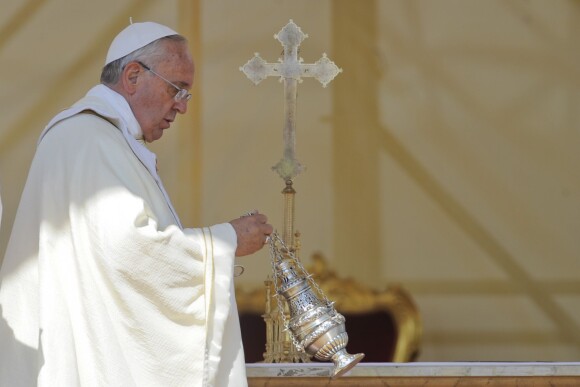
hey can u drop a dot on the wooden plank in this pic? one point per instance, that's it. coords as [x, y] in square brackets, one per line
[402, 381]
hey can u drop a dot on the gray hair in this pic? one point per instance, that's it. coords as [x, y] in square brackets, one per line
[149, 53]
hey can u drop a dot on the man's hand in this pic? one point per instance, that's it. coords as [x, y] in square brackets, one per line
[252, 231]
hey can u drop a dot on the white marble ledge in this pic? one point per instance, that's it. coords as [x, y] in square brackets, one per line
[464, 369]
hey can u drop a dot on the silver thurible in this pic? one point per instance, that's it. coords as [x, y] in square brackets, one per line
[314, 324]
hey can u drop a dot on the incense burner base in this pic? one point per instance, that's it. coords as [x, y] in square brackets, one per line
[344, 361]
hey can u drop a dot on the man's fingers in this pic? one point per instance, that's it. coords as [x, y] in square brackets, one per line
[253, 232]
[249, 213]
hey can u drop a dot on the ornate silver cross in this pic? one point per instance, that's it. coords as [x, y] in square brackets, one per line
[290, 70]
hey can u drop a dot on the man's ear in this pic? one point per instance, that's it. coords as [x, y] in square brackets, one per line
[130, 75]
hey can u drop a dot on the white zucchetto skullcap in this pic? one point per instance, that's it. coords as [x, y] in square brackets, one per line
[134, 37]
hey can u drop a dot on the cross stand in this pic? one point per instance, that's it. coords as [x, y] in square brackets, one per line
[290, 70]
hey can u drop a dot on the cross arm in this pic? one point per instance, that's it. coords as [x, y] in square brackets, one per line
[257, 69]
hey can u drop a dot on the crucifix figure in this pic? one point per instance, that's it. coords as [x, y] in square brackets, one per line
[290, 69]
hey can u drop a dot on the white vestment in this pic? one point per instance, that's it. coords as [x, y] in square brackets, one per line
[100, 285]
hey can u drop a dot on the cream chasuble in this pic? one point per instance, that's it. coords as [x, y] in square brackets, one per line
[100, 285]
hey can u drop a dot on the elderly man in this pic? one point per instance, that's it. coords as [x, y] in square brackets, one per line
[101, 285]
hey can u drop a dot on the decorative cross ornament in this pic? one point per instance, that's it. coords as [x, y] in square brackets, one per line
[313, 328]
[290, 69]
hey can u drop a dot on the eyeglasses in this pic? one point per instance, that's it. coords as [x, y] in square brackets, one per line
[182, 94]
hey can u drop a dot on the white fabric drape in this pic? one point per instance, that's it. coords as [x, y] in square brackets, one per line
[100, 285]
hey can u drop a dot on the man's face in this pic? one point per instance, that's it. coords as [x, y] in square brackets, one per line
[153, 103]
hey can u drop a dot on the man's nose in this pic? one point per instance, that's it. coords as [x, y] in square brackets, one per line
[181, 106]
